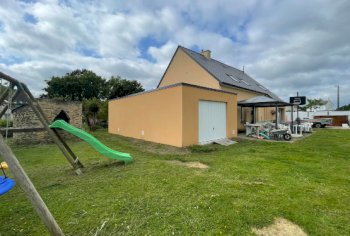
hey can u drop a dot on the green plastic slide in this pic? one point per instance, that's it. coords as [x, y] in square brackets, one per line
[100, 147]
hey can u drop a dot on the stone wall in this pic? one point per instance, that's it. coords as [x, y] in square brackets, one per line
[25, 117]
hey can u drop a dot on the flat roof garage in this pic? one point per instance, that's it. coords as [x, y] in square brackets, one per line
[178, 115]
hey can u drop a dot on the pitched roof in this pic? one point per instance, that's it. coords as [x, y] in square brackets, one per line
[228, 75]
[262, 101]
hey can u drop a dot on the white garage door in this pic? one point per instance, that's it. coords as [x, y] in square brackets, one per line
[212, 121]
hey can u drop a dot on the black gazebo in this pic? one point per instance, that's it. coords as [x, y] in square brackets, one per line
[263, 101]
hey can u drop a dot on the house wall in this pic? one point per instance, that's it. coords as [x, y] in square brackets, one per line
[183, 69]
[191, 98]
[167, 116]
[24, 117]
[155, 116]
[242, 94]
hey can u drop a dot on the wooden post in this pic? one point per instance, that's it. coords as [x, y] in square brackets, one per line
[39, 113]
[4, 95]
[7, 105]
[67, 152]
[27, 186]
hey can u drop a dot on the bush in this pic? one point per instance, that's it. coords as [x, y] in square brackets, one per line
[3, 123]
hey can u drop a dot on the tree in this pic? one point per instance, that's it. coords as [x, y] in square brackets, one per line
[313, 104]
[118, 87]
[92, 90]
[91, 107]
[76, 85]
[344, 108]
[103, 112]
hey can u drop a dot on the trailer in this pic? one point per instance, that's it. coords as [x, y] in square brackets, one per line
[320, 122]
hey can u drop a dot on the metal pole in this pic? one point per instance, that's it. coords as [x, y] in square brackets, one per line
[254, 113]
[292, 123]
[241, 115]
[338, 97]
[298, 108]
[276, 116]
[29, 189]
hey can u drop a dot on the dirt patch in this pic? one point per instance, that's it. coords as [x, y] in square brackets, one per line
[193, 164]
[280, 227]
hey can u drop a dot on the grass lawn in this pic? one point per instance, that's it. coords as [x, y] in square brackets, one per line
[247, 185]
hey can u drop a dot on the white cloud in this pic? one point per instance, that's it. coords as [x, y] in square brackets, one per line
[288, 46]
[164, 53]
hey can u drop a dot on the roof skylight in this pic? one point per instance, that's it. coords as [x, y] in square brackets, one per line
[233, 78]
[245, 82]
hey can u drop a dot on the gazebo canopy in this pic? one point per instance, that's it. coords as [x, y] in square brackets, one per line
[263, 101]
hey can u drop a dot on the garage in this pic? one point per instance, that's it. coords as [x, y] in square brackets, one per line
[212, 121]
[178, 115]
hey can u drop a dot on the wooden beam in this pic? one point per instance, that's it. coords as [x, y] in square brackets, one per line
[3, 111]
[67, 152]
[22, 130]
[9, 78]
[27, 186]
[73, 160]
[4, 95]
[76, 160]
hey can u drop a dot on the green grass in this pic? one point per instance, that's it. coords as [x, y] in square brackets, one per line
[247, 185]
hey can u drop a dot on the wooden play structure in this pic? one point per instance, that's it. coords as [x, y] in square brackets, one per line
[29, 189]
[13, 89]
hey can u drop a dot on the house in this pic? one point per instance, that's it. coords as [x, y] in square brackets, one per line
[200, 69]
[195, 102]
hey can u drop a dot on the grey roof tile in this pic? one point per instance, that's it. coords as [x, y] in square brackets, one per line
[228, 75]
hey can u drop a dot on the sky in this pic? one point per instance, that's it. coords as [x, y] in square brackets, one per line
[289, 46]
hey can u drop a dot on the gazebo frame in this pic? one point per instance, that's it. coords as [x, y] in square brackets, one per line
[263, 101]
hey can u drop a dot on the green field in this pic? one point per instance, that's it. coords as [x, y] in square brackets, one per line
[247, 185]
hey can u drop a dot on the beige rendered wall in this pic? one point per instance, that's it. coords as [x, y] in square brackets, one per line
[183, 69]
[167, 116]
[241, 93]
[191, 98]
[158, 114]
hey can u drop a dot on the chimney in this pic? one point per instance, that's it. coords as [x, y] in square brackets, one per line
[206, 53]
